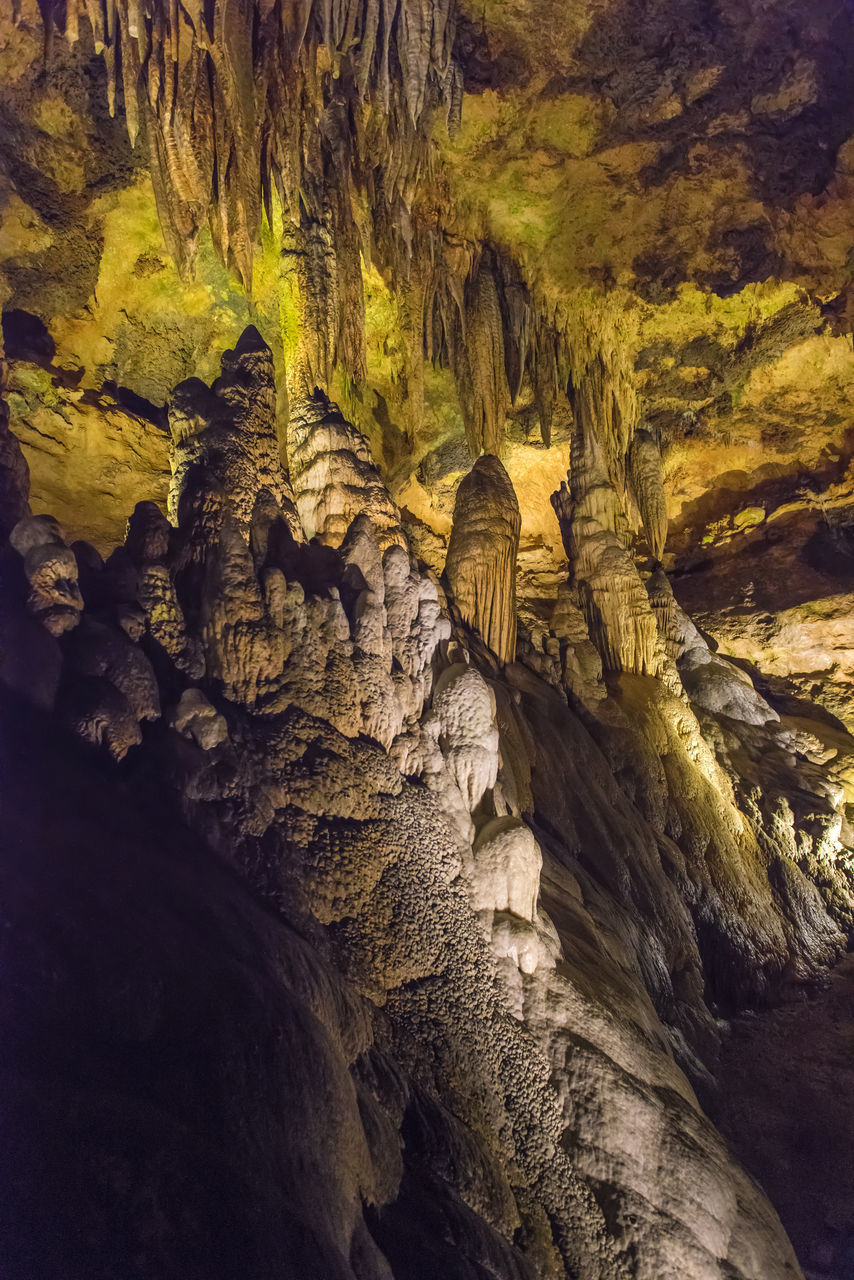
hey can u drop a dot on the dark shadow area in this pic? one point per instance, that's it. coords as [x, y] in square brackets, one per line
[147, 1068]
[787, 1079]
[137, 405]
[26, 337]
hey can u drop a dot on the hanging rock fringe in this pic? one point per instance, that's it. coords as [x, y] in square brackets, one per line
[240, 95]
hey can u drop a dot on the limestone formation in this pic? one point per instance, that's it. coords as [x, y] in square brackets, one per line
[195, 718]
[334, 475]
[358, 923]
[481, 563]
[14, 473]
[485, 396]
[648, 489]
[334, 742]
[594, 530]
[506, 872]
[51, 571]
[580, 660]
[231, 429]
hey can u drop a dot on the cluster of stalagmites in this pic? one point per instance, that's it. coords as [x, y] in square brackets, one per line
[221, 599]
[328, 732]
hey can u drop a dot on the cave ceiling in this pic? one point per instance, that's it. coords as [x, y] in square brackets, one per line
[502, 191]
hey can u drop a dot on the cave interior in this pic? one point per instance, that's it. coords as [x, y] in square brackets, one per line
[427, 639]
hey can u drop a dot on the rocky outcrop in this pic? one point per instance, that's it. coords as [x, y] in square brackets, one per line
[480, 567]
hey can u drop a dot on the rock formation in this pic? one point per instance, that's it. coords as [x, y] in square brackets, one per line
[648, 489]
[594, 529]
[353, 764]
[481, 563]
[334, 475]
[404, 874]
[231, 430]
[14, 475]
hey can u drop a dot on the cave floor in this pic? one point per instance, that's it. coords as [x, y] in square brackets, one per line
[787, 1080]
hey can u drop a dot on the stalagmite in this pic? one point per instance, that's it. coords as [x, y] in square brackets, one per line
[359, 923]
[334, 476]
[593, 526]
[230, 428]
[481, 563]
[580, 660]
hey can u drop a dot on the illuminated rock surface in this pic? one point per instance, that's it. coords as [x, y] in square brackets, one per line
[480, 566]
[426, 678]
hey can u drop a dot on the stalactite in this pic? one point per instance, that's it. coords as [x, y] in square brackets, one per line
[235, 99]
[594, 527]
[481, 564]
[481, 374]
[544, 373]
[645, 476]
[412, 308]
[516, 326]
[309, 251]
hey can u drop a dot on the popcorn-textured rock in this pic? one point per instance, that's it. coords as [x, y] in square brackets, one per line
[231, 429]
[334, 475]
[509, 928]
[195, 718]
[51, 570]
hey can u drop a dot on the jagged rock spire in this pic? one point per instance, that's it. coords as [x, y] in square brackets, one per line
[231, 428]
